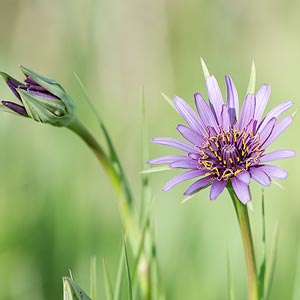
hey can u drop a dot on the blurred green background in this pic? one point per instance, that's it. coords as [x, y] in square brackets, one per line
[57, 207]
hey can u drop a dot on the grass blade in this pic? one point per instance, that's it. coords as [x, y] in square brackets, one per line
[118, 285]
[156, 169]
[270, 264]
[93, 278]
[107, 281]
[130, 297]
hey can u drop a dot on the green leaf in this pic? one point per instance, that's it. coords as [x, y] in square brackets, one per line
[169, 101]
[130, 297]
[118, 285]
[156, 169]
[204, 68]
[229, 278]
[252, 80]
[107, 281]
[93, 278]
[72, 291]
[112, 152]
[262, 271]
[270, 264]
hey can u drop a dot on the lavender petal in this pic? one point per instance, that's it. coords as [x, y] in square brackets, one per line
[191, 135]
[185, 163]
[199, 185]
[225, 119]
[205, 113]
[277, 155]
[278, 130]
[217, 188]
[188, 114]
[266, 132]
[274, 171]
[241, 189]
[247, 112]
[276, 112]
[182, 177]
[232, 100]
[260, 176]
[164, 159]
[175, 144]
[244, 176]
[262, 97]
[214, 95]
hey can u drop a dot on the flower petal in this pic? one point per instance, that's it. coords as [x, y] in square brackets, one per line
[276, 112]
[188, 114]
[199, 184]
[225, 119]
[278, 129]
[274, 171]
[232, 100]
[247, 112]
[185, 163]
[214, 95]
[164, 159]
[191, 135]
[262, 97]
[266, 132]
[277, 155]
[217, 188]
[260, 176]
[182, 177]
[241, 189]
[175, 144]
[205, 112]
[244, 176]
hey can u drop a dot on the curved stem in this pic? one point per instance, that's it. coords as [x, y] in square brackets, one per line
[244, 223]
[127, 211]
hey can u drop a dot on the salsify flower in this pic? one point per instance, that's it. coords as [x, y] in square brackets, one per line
[224, 146]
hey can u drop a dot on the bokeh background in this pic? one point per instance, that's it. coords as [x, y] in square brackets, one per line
[57, 208]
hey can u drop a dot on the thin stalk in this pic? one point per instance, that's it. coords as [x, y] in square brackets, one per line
[244, 223]
[127, 211]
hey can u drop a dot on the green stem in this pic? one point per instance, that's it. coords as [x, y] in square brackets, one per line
[244, 223]
[127, 211]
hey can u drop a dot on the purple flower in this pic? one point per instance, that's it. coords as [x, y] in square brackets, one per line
[224, 146]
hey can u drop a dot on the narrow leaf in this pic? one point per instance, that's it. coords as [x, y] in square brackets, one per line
[296, 293]
[108, 285]
[252, 80]
[118, 285]
[93, 278]
[155, 169]
[169, 101]
[204, 68]
[270, 264]
[130, 297]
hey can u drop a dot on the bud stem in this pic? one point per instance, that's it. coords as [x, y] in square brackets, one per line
[127, 211]
[244, 223]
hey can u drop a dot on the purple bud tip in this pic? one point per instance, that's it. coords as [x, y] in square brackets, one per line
[19, 109]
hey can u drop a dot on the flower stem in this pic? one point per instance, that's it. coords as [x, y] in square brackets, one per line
[244, 223]
[127, 211]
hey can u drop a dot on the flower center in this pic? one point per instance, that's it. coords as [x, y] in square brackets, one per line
[228, 153]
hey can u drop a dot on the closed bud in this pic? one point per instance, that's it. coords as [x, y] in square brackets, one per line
[42, 99]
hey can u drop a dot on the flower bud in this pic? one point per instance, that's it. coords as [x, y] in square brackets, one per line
[41, 98]
[72, 290]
